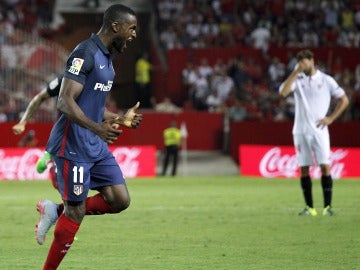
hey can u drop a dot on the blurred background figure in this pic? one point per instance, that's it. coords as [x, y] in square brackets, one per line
[29, 140]
[172, 141]
[166, 105]
[143, 80]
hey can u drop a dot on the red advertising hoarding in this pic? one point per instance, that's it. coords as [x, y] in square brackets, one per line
[19, 163]
[280, 161]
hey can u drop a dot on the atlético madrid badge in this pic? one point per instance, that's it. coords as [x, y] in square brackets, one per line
[78, 189]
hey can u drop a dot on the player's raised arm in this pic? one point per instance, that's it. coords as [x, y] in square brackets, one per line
[285, 87]
[30, 110]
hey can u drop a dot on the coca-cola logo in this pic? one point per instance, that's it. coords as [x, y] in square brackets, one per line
[127, 159]
[276, 164]
[21, 167]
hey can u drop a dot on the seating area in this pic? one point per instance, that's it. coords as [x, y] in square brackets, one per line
[252, 45]
[224, 56]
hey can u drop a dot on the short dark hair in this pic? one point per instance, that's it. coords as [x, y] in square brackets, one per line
[116, 13]
[304, 54]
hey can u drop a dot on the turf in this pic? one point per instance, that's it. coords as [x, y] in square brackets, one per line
[193, 223]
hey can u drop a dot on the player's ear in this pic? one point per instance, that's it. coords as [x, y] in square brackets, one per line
[115, 27]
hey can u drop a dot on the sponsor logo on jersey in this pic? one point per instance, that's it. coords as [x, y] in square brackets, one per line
[78, 189]
[76, 66]
[103, 87]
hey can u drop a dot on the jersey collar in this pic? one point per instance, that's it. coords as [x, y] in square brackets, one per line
[99, 43]
[317, 74]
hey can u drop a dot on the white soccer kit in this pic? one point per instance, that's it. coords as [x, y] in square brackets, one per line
[312, 101]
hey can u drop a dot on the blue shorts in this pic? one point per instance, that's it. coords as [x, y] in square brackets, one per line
[75, 178]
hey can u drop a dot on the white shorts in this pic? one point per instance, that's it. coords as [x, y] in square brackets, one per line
[312, 146]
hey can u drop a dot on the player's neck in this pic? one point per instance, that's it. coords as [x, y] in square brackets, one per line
[313, 72]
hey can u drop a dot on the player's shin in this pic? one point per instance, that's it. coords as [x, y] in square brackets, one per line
[64, 235]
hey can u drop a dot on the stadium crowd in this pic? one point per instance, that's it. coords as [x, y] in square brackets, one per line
[25, 29]
[240, 86]
[258, 23]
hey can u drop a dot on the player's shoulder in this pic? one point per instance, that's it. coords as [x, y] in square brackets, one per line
[86, 46]
[325, 76]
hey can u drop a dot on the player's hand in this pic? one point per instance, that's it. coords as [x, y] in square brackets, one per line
[109, 132]
[326, 121]
[18, 128]
[131, 118]
[299, 67]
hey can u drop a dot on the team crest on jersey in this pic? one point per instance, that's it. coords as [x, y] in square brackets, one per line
[78, 189]
[76, 66]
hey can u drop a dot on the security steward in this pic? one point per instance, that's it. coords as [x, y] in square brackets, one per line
[172, 141]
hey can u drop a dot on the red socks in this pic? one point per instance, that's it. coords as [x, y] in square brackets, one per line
[96, 205]
[66, 229]
[64, 234]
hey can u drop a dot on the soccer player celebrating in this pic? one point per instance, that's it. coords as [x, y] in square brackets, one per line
[313, 91]
[78, 140]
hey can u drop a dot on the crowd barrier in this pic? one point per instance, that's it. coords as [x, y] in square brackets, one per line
[204, 131]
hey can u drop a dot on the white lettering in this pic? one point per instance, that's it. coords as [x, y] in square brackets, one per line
[126, 158]
[103, 87]
[21, 167]
[274, 164]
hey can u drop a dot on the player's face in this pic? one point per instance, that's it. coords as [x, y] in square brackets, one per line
[308, 65]
[126, 33]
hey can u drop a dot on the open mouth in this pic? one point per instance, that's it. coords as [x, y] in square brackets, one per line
[128, 40]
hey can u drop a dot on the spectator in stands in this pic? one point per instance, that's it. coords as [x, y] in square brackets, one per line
[276, 72]
[357, 77]
[204, 68]
[169, 39]
[280, 111]
[238, 31]
[291, 62]
[166, 105]
[193, 29]
[347, 18]
[310, 38]
[260, 38]
[210, 30]
[331, 14]
[253, 110]
[3, 116]
[199, 89]
[237, 112]
[223, 84]
[90, 3]
[237, 72]
[213, 101]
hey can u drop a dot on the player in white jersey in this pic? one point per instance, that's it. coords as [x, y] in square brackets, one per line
[313, 91]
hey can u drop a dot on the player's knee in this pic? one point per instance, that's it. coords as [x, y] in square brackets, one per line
[121, 204]
[75, 210]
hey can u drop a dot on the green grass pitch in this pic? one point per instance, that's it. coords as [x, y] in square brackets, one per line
[208, 223]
